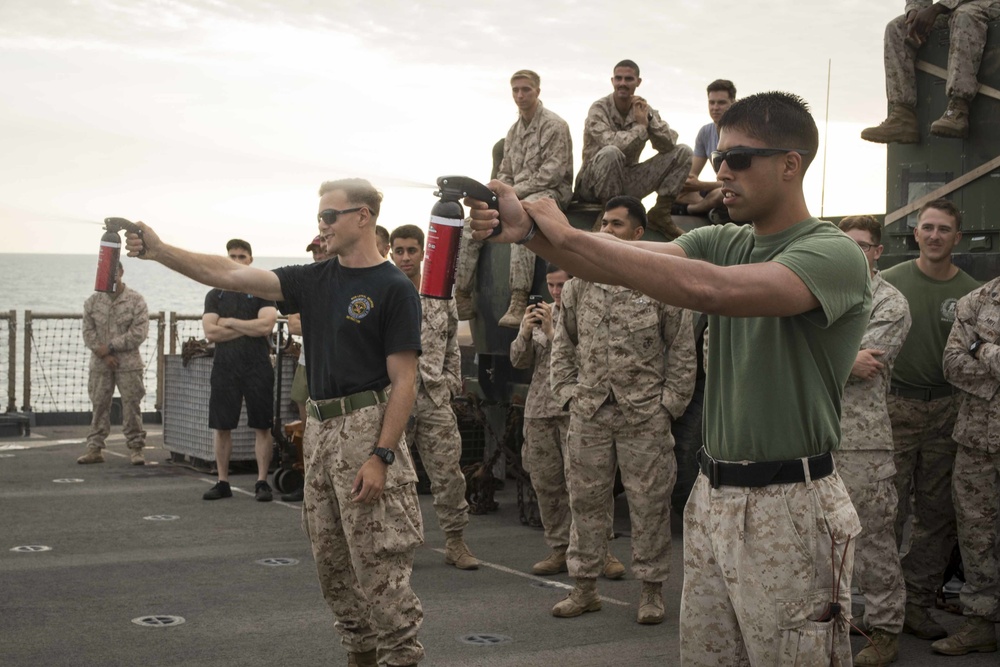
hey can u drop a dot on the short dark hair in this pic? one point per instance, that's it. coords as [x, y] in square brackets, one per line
[382, 233]
[241, 244]
[407, 232]
[724, 85]
[552, 268]
[357, 191]
[628, 63]
[945, 206]
[866, 223]
[780, 120]
[636, 211]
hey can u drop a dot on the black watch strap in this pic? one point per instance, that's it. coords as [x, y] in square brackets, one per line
[386, 454]
[974, 348]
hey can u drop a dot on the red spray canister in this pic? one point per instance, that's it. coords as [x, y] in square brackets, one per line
[110, 253]
[444, 234]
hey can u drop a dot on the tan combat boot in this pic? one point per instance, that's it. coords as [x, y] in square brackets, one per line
[136, 457]
[613, 568]
[977, 634]
[954, 124]
[901, 127]
[582, 598]
[651, 603]
[93, 455]
[659, 218]
[918, 622]
[882, 649]
[463, 302]
[457, 553]
[518, 302]
[366, 659]
[554, 563]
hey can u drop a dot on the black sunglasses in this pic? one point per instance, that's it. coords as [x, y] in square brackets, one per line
[739, 158]
[329, 216]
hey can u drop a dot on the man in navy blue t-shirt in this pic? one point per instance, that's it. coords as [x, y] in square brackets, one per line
[361, 316]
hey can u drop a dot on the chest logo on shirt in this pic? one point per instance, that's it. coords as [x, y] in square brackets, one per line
[359, 307]
[948, 308]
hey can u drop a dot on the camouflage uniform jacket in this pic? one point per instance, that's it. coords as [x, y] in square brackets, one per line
[440, 365]
[614, 342]
[917, 5]
[606, 127]
[539, 157]
[864, 418]
[977, 315]
[541, 401]
[122, 321]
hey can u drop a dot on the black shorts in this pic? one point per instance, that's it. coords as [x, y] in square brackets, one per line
[231, 386]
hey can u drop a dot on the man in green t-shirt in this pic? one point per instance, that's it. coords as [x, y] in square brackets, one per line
[788, 300]
[923, 407]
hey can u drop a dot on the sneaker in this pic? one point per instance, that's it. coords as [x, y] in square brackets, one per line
[294, 496]
[262, 491]
[220, 490]
[93, 455]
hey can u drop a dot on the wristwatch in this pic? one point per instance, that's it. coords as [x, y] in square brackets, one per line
[111, 348]
[974, 348]
[386, 454]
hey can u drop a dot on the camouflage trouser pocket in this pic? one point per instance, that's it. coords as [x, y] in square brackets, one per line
[397, 525]
[806, 642]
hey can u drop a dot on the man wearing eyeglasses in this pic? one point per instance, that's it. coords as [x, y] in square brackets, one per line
[361, 316]
[239, 324]
[769, 526]
[923, 407]
[616, 130]
[865, 458]
[968, 22]
[538, 162]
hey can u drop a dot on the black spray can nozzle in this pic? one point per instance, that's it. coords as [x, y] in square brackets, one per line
[457, 188]
[116, 225]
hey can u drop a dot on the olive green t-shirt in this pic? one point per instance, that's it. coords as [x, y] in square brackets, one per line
[932, 307]
[774, 384]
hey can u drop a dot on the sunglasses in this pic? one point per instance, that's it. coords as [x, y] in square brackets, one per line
[329, 216]
[739, 158]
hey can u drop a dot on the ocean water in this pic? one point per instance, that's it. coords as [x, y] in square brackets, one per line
[61, 283]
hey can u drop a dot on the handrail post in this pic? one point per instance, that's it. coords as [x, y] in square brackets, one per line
[12, 361]
[26, 395]
[160, 332]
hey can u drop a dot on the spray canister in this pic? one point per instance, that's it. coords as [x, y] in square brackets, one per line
[110, 253]
[444, 234]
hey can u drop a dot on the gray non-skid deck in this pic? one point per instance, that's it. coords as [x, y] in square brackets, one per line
[129, 542]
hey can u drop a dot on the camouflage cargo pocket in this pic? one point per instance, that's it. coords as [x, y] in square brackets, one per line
[804, 641]
[397, 525]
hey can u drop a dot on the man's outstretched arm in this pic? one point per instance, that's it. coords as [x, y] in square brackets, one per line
[211, 270]
[660, 270]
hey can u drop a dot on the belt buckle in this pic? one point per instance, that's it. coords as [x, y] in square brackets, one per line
[713, 472]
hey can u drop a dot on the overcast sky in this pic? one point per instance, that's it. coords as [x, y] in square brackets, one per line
[210, 119]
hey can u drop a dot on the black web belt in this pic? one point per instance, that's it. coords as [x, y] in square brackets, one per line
[765, 473]
[931, 394]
